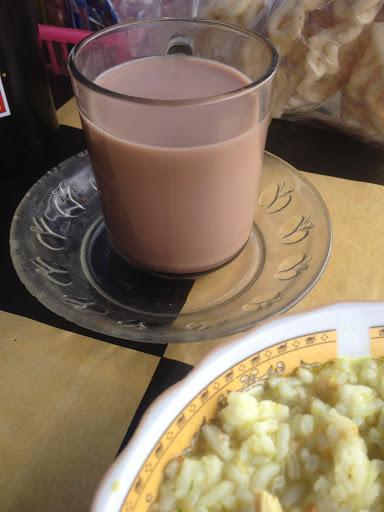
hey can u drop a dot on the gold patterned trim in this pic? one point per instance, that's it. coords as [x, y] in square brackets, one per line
[376, 335]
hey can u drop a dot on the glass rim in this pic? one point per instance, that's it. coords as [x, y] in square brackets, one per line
[253, 85]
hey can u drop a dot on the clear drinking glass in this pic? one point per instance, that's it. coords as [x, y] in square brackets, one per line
[177, 176]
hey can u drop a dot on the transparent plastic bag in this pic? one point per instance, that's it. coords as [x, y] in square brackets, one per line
[332, 58]
[331, 53]
[139, 9]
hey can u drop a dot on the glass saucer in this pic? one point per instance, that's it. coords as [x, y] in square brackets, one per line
[62, 254]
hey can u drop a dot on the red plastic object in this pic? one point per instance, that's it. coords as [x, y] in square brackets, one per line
[56, 40]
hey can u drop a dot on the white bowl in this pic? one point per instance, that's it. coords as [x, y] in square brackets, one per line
[278, 346]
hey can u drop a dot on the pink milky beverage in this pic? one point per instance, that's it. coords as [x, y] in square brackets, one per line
[175, 113]
[178, 183]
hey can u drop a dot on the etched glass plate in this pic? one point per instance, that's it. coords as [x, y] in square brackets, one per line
[61, 252]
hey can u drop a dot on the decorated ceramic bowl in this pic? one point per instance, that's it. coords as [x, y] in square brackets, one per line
[276, 348]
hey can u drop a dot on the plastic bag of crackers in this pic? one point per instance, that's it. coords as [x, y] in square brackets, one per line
[332, 57]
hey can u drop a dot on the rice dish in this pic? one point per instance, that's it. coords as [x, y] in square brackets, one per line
[309, 442]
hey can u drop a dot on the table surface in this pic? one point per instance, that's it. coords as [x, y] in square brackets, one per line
[72, 398]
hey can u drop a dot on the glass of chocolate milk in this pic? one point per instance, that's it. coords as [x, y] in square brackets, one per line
[175, 113]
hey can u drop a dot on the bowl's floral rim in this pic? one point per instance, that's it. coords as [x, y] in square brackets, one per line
[350, 320]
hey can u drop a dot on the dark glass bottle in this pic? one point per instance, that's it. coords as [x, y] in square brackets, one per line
[27, 114]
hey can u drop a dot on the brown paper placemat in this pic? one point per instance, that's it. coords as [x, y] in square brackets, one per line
[68, 114]
[66, 401]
